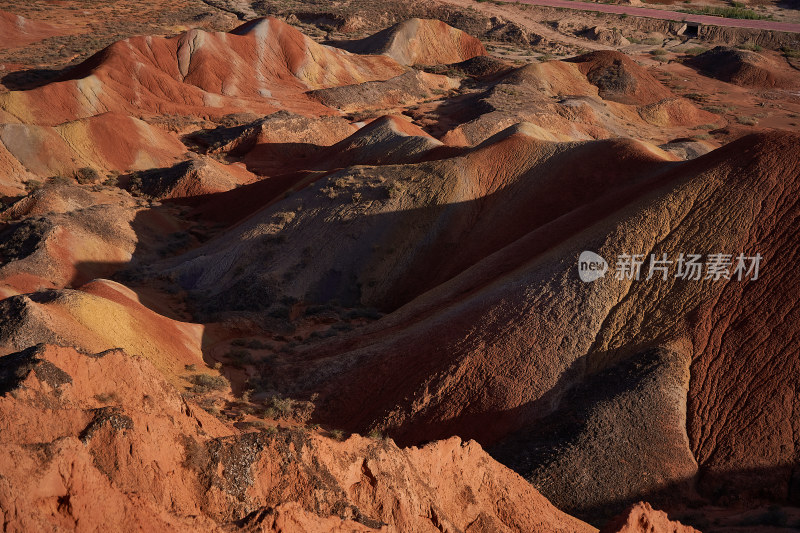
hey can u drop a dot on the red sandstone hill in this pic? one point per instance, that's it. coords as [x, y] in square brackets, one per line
[492, 350]
[262, 66]
[108, 142]
[620, 79]
[419, 42]
[114, 431]
[746, 68]
[17, 31]
[356, 246]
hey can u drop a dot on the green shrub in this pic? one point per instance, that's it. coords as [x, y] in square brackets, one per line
[727, 12]
[695, 51]
[750, 46]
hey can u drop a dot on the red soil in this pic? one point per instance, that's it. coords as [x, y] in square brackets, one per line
[620, 79]
[261, 67]
[17, 31]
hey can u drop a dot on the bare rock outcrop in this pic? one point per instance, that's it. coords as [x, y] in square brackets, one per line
[111, 429]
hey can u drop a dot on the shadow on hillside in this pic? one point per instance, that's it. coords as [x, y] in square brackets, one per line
[162, 245]
[708, 502]
[553, 221]
[789, 4]
[23, 80]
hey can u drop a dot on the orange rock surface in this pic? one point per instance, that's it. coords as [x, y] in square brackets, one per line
[272, 281]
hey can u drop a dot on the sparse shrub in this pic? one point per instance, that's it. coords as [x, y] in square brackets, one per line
[32, 185]
[747, 121]
[395, 189]
[773, 516]
[107, 397]
[281, 312]
[312, 310]
[209, 405]
[791, 52]
[86, 175]
[727, 12]
[658, 52]
[195, 455]
[203, 383]
[337, 434]
[718, 110]
[59, 180]
[323, 334]
[259, 425]
[190, 368]
[651, 41]
[174, 243]
[375, 434]
[370, 313]
[283, 406]
[695, 51]
[697, 97]
[253, 344]
[240, 357]
[750, 46]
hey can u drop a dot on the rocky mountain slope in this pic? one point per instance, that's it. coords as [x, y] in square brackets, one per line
[249, 281]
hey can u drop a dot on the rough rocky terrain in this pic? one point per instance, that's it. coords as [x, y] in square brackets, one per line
[319, 271]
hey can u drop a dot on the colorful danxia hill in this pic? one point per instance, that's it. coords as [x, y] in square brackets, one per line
[423, 266]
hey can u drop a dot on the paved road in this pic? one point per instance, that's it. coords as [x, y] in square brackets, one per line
[666, 15]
